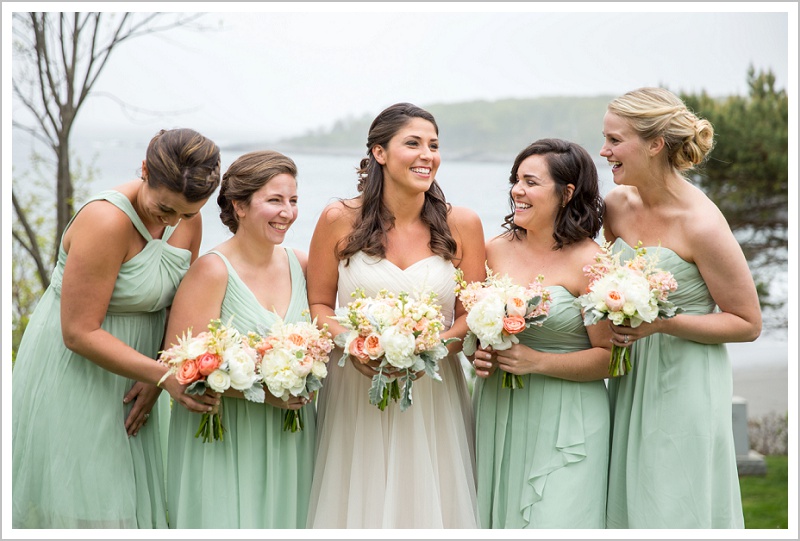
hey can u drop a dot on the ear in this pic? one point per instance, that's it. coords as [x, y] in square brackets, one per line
[569, 189]
[144, 169]
[379, 154]
[238, 209]
[656, 145]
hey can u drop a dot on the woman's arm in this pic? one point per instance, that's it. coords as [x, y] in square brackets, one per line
[467, 229]
[90, 273]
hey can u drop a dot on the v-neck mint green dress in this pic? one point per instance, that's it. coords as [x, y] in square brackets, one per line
[542, 450]
[673, 463]
[258, 476]
[73, 464]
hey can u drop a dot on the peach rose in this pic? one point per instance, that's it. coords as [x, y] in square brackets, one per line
[357, 349]
[615, 300]
[207, 363]
[372, 346]
[187, 372]
[514, 324]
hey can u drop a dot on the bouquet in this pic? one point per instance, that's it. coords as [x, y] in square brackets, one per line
[400, 331]
[627, 293]
[498, 310]
[292, 362]
[217, 359]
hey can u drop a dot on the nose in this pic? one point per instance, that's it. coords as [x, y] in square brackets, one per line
[516, 189]
[604, 151]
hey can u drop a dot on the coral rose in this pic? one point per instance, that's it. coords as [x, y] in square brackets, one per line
[514, 324]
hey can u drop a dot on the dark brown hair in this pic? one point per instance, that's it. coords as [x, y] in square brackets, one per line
[184, 162]
[375, 220]
[568, 163]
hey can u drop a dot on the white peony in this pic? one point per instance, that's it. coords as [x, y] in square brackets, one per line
[399, 348]
[485, 319]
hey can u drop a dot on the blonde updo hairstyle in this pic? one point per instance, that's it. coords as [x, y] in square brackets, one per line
[657, 112]
[184, 162]
[245, 176]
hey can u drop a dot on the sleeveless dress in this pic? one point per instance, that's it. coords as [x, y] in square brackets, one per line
[393, 469]
[673, 463]
[258, 476]
[74, 465]
[542, 451]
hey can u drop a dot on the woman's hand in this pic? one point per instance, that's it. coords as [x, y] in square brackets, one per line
[294, 402]
[484, 362]
[144, 397]
[203, 403]
[624, 336]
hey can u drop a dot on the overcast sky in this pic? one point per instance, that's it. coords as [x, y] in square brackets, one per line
[289, 68]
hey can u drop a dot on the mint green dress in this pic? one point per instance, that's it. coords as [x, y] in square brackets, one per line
[73, 464]
[258, 476]
[673, 463]
[542, 450]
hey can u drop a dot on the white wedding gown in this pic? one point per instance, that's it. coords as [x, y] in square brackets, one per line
[393, 469]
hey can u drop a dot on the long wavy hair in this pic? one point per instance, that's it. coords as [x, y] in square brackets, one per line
[375, 220]
[568, 163]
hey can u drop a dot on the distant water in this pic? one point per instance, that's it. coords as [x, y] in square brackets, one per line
[481, 186]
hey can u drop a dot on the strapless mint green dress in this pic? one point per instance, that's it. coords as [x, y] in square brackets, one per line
[673, 463]
[542, 450]
[258, 476]
[73, 464]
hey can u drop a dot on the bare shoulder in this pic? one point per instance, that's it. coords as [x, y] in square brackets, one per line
[102, 216]
[465, 221]
[340, 211]
[302, 258]
[208, 268]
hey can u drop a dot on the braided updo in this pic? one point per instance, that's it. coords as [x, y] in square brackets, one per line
[184, 162]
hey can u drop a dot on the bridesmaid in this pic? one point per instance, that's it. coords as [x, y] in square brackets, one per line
[673, 463]
[542, 450]
[258, 476]
[82, 456]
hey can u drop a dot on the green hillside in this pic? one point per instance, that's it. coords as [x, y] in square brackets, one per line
[481, 130]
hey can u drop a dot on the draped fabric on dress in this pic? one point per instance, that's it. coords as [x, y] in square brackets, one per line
[258, 476]
[393, 469]
[74, 465]
[542, 450]
[673, 463]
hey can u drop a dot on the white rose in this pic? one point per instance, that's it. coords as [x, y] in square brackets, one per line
[219, 381]
[399, 348]
[319, 369]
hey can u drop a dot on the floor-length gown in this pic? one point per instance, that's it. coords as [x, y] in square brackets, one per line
[673, 463]
[542, 450]
[392, 468]
[74, 465]
[258, 476]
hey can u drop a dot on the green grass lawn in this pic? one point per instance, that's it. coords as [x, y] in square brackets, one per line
[765, 500]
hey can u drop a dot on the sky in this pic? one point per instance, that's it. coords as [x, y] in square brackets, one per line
[273, 70]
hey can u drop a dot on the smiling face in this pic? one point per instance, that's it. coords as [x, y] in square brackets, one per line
[624, 149]
[535, 194]
[163, 207]
[271, 211]
[411, 159]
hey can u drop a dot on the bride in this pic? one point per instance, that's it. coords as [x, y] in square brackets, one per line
[392, 468]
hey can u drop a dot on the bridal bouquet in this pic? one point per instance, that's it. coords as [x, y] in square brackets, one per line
[399, 331]
[498, 310]
[217, 359]
[628, 293]
[292, 361]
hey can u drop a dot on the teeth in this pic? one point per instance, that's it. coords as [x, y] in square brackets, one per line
[280, 227]
[614, 164]
[522, 205]
[423, 170]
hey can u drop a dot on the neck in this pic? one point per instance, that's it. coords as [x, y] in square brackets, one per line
[258, 254]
